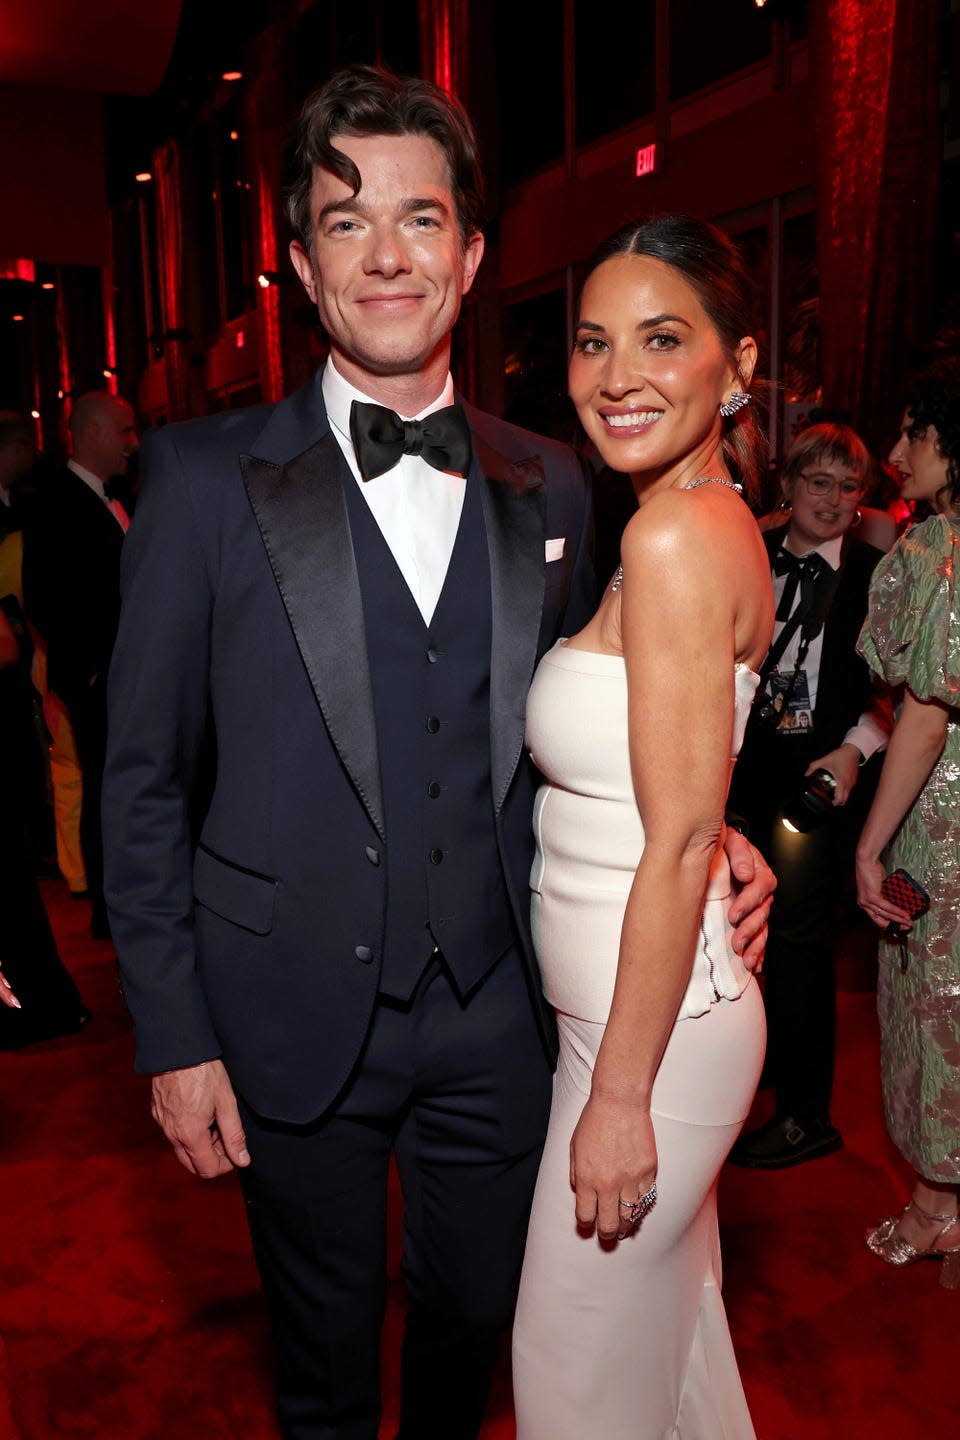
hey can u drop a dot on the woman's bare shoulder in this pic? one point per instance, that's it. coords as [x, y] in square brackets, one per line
[678, 524]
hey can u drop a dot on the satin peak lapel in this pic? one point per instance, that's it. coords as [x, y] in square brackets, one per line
[303, 520]
[514, 512]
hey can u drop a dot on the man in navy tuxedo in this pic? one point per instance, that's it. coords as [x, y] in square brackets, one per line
[328, 961]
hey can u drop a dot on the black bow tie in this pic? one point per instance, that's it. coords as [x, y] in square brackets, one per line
[800, 570]
[380, 437]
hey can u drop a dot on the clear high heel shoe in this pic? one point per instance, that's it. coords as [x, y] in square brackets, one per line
[891, 1247]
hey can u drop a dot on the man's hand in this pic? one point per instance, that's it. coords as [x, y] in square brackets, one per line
[197, 1111]
[750, 909]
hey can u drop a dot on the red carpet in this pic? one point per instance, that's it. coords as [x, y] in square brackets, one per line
[129, 1305]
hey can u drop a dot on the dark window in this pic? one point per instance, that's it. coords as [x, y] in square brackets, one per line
[206, 250]
[151, 265]
[529, 90]
[129, 307]
[356, 32]
[799, 19]
[234, 198]
[801, 323]
[83, 306]
[535, 366]
[400, 36]
[708, 42]
[754, 246]
[615, 83]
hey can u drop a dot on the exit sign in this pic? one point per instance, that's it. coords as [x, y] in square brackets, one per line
[646, 160]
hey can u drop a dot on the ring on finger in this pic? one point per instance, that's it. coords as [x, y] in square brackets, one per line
[641, 1206]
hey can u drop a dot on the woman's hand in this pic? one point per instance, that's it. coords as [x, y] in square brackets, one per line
[7, 995]
[844, 765]
[613, 1155]
[883, 912]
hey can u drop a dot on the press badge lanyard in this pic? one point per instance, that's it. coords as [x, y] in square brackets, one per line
[809, 618]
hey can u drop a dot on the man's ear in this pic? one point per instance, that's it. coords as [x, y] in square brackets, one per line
[472, 255]
[303, 265]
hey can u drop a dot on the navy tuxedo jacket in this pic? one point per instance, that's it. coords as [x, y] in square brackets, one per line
[255, 933]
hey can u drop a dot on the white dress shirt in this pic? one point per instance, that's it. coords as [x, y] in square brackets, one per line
[868, 735]
[96, 485]
[416, 507]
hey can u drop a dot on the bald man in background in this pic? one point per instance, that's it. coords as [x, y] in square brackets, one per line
[71, 580]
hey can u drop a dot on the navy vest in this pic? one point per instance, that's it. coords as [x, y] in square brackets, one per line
[431, 694]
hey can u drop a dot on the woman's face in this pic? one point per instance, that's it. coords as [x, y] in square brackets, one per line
[648, 371]
[921, 467]
[824, 499]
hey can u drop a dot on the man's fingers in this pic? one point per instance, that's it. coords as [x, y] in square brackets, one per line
[740, 854]
[754, 953]
[229, 1132]
[201, 1160]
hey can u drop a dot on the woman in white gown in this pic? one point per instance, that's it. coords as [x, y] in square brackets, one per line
[620, 1330]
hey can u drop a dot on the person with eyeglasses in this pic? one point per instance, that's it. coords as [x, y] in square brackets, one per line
[806, 774]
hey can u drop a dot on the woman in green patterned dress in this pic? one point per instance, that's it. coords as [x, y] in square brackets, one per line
[912, 639]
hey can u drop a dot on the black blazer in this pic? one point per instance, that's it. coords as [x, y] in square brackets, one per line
[769, 766]
[71, 580]
[241, 605]
[844, 686]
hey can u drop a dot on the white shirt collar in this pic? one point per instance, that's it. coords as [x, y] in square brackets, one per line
[829, 551]
[339, 395]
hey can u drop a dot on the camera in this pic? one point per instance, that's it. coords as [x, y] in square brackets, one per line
[813, 803]
[768, 712]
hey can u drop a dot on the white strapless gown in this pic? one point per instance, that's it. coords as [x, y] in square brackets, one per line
[627, 1342]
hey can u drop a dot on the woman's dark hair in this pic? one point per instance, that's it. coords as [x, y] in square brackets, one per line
[933, 398]
[830, 443]
[368, 100]
[711, 263]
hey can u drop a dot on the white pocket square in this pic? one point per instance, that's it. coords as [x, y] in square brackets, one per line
[554, 549]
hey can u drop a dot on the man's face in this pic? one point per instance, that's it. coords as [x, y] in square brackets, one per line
[114, 437]
[388, 270]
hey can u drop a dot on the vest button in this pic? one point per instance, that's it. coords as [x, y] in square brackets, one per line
[433, 655]
[433, 789]
[436, 857]
[364, 953]
[433, 724]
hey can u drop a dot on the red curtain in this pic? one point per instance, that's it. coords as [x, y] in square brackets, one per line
[873, 81]
[266, 123]
[444, 28]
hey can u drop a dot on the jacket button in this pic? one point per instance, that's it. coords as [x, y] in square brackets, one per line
[436, 857]
[433, 655]
[433, 789]
[364, 953]
[433, 724]
[372, 855]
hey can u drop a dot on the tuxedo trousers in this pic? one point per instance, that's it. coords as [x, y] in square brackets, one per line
[458, 1090]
